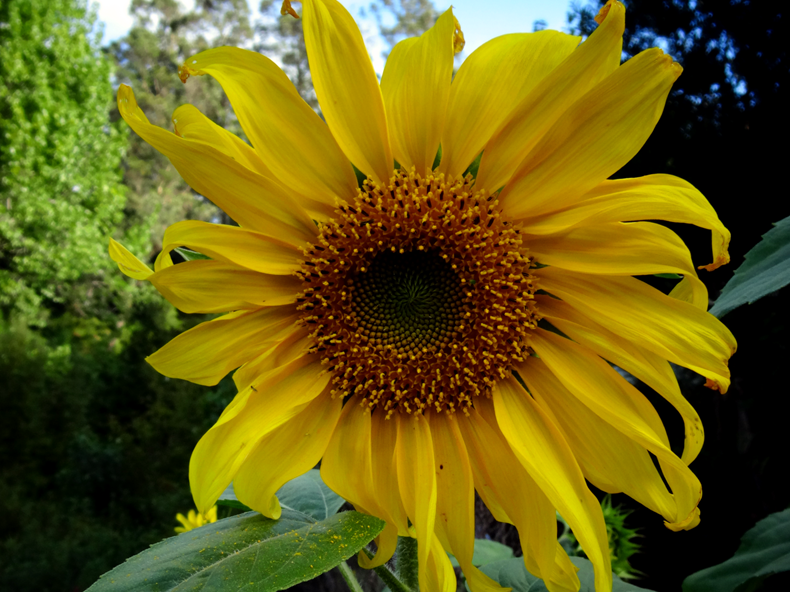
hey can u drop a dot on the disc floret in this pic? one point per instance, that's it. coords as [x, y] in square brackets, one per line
[418, 294]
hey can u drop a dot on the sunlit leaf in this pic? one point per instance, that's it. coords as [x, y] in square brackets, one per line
[246, 551]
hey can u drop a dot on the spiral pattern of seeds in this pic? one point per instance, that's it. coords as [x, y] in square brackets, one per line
[418, 294]
[408, 302]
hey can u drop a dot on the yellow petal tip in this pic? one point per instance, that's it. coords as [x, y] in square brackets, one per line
[458, 38]
[690, 522]
[287, 9]
[128, 263]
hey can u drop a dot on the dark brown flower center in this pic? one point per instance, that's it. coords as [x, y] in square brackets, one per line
[419, 294]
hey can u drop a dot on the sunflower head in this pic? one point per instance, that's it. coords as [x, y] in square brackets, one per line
[419, 295]
[442, 328]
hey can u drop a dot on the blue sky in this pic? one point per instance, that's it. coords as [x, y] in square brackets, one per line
[480, 20]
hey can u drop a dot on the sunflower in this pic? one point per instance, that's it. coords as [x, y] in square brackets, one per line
[195, 520]
[428, 332]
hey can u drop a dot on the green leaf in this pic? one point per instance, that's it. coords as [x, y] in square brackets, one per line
[486, 552]
[310, 495]
[766, 270]
[764, 550]
[189, 255]
[307, 494]
[245, 551]
[669, 276]
[511, 573]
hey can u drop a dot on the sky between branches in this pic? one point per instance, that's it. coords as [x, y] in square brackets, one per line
[480, 21]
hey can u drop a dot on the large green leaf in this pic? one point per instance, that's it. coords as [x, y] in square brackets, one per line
[766, 270]
[511, 573]
[307, 494]
[764, 550]
[245, 551]
[310, 495]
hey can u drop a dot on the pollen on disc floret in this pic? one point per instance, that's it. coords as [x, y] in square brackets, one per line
[418, 294]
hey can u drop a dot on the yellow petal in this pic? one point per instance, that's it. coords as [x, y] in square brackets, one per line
[529, 121]
[232, 244]
[205, 286]
[513, 496]
[490, 82]
[609, 460]
[275, 398]
[190, 123]
[286, 452]
[206, 353]
[594, 138]
[687, 290]
[455, 499]
[675, 330]
[542, 450]
[598, 386]
[128, 263]
[385, 476]
[415, 86]
[284, 347]
[648, 367]
[417, 483]
[285, 132]
[252, 200]
[386, 543]
[347, 87]
[346, 467]
[439, 575]
[636, 248]
[653, 197]
[384, 488]
[184, 521]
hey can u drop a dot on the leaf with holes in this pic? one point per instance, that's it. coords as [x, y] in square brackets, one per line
[245, 551]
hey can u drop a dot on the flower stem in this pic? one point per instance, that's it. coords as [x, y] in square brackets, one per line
[349, 577]
[407, 562]
[389, 578]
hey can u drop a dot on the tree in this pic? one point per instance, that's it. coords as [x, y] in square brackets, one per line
[60, 190]
[147, 59]
[411, 19]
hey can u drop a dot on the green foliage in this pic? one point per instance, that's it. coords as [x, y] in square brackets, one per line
[511, 573]
[246, 551]
[765, 270]
[310, 495]
[60, 191]
[486, 552]
[764, 551]
[95, 443]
